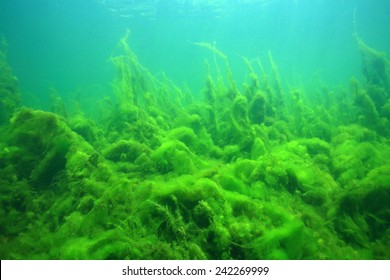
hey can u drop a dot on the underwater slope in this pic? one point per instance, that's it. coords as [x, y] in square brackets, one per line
[247, 173]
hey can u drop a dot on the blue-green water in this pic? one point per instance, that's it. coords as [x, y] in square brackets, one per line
[194, 129]
[68, 43]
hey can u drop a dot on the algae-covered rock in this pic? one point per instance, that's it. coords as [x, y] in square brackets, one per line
[188, 137]
[84, 127]
[231, 183]
[246, 170]
[125, 151]
[231, 152]
[44, 140]
[174, 156]
[352, 160]
[363, 214]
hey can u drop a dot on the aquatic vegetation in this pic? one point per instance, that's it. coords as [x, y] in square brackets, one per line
[9, 91]
[212, 48]
[251, 172]
[363, 218]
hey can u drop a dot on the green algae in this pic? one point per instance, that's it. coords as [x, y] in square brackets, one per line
[258, 173]
[9, 91]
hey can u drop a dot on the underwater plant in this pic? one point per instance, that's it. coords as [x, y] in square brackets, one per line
[251, 172]
[9, 91]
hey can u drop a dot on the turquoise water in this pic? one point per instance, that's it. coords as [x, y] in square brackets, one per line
[194, 129]
[68, 43]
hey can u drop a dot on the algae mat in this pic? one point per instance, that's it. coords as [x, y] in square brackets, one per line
[247, 172]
